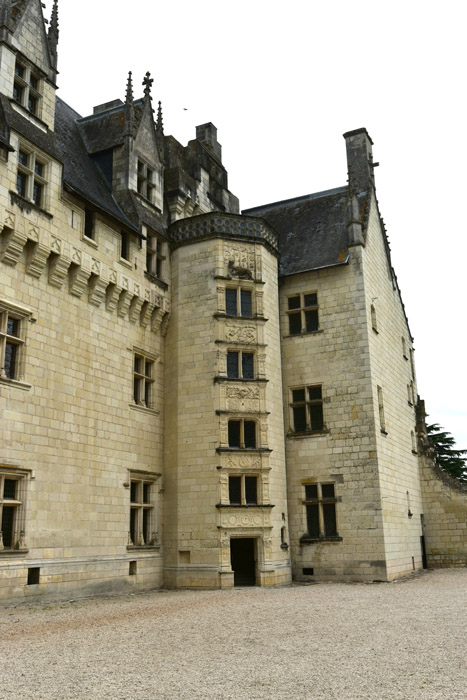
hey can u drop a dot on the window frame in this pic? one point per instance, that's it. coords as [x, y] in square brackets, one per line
[302, 312]
[155, 255]
[242, 445]
[319, 503]
[239, 290]
[382, 418]
[243, 490]
[145, 185]
[307, 405]
[18, 503]
[142, 527]
[240, 364]
[20, 315]
[143, 383]
[27, 172]
[22, 83]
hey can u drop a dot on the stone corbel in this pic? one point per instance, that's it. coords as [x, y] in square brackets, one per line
[125, 297]
[79, 275]
[135, 308]
[147, 308]
[38, 253]
[166, 318]
[13, 241]
[112, 293]
[98, 283]
[158, 313]
[59, 262]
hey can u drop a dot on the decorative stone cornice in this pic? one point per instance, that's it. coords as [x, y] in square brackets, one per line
[221, 225]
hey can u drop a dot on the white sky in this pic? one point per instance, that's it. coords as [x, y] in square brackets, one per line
[282, 81]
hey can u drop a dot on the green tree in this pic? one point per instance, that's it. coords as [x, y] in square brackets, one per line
[449, 459]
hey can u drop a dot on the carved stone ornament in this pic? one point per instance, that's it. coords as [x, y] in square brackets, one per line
[245, 461]
[240, 334]
[240, 261]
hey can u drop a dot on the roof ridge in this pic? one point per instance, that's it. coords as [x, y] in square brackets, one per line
[303, 198]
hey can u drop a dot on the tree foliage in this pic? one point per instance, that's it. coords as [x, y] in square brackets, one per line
[449, 459]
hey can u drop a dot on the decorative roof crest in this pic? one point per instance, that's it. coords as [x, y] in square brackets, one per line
[147, 82]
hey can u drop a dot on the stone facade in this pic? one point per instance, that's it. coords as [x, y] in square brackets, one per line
[190, 396]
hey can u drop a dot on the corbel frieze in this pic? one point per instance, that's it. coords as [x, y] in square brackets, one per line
[59, 261]
[80, 272]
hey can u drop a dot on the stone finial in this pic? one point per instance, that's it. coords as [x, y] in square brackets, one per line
[159, 122]
[52, 35]
[147, 82]
[129, 106]
[129, 89]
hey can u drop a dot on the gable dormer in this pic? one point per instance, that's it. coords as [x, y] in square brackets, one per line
[28, 60]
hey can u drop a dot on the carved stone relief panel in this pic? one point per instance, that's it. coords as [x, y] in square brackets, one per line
[242, 398]
[240, 333]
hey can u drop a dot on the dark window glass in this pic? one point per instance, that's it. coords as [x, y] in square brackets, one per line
[234, 433]
[12, 327]
[294, 303]
[311, 300]
[298, 395]
[21, 184]
[138, 361]
[33, 82]
[88, 223]
[231, 302]
[329, 517]
[311, 320]
[251, 489]
[8, 516]
[247, 365]
[327, 490]
[316, 417]
[18, 92]
[295, 324]
[149, 364]
[11, 354]
[311, 491]
[32, 104]
[232, 364]
[19, 70]
[312, 520]
[146, 525]
[235, 489]
[23, 158]
[299, 419]
[146, 493]
[250, 433]
[133, 521]
[134, 492]
[37, 193]
[147, 393]
[125, 246]
[9, 489]
[245, 296]
[136, 386]
[314, 392]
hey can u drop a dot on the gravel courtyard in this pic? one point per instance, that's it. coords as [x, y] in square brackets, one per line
[326, 641]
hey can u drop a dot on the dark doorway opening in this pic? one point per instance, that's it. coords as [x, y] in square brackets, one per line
[242, 559]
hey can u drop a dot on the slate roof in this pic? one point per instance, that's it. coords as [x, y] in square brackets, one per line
[312, 230]
[79, 172]
[106, 129]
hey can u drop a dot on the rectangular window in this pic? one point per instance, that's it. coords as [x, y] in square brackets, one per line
[307, 409]
[125, 246]
[89, 224]
[243, 490]
[239, 302]
[142, 524]
[145, 184]
[26, 88]
[30, 176]
[240, 365]
[302, 313]
[242, 434]
[143, 381]
[320, 507]
[11, 343]
[382, 420]
[11, 510]
[154, 255]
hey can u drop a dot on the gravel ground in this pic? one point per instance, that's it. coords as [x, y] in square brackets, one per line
[405, 639]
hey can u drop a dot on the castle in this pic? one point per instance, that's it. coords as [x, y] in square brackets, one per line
[191, 396]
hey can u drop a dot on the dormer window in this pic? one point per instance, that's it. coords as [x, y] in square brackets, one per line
[26, 88]
[30, 178]
[145, 184]
[154, 255]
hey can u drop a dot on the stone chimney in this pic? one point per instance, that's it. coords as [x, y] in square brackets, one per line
[207, 134]
[359, 161]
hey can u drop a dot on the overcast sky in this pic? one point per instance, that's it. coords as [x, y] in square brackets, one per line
[282, 81]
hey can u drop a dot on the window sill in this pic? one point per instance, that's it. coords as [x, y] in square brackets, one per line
[89, 241]
[306, 539]
[155, 280]
[220, 379]
[244, 505]
[13, 552]
[243, 450]
[142, 547]
[15, 384]
[125, 263]
[24, 203]
[144, 409]
[308, 434]
[303, 333]
[221, 314]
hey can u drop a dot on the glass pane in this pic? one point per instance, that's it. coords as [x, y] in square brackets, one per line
[138, 364]
[147, 393]
[314, 392]
[316, 417]
[298, 395]
[146, 493]
[17, 92]
[19, 70]
[23, 158]
[11, 355]
[327, 490]
[234, 433]
[246, 303]
[147, 525]
[8, 517]
[21, 184]
[32, 104]
[312, 520]
[299, 419]
[33, 82]
[251, 489]
[235, 489]
[9, 489]
[249, 429]
[12, 327]
[134, 492]
[38, 168]
[148, 368]
[133, 525]
[311, 300]
[329, 516]
[232, 365]
[231, 302]
[136, 390]
[295, 324]
[294, 302]
[311, 320]
[311, 491]
[37, 194]
[247, 365]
